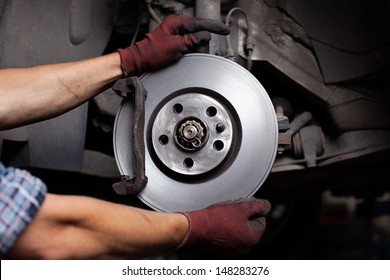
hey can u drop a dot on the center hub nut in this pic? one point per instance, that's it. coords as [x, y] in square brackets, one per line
[191, 134]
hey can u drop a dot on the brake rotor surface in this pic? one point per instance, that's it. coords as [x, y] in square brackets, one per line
[210, 134]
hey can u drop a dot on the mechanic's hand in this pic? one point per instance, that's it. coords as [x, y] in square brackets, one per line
[175, 36]
[228, 229]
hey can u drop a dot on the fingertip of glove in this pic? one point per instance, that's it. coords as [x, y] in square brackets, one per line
[195, 24]
[266, 205]
[225, 30]
[260, 206]
[215, 26]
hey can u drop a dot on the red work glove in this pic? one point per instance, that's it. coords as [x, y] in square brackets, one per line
[228, 229]
[175, 36]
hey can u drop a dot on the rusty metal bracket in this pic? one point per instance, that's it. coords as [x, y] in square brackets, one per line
[132, 87]
[300, 121]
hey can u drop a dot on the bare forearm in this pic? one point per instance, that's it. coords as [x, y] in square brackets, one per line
[37, 93]
[84, 228]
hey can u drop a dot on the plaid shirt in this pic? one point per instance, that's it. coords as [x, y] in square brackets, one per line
[21, 195]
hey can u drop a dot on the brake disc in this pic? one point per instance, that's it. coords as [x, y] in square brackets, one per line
[210, 134]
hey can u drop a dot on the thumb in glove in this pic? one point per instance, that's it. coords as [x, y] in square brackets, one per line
[229, 228]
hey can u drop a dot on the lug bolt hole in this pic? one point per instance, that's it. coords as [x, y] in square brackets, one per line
[218, 145]
[177, 108]
[211, 111]
[189, 162]
[163, 139]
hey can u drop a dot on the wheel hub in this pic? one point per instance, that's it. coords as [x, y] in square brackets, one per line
[187, 136]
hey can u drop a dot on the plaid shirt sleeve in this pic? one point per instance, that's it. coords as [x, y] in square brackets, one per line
[21, 195]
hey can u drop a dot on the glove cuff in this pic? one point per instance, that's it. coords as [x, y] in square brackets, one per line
[131, 64]
[185, 239]
[198, 225]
